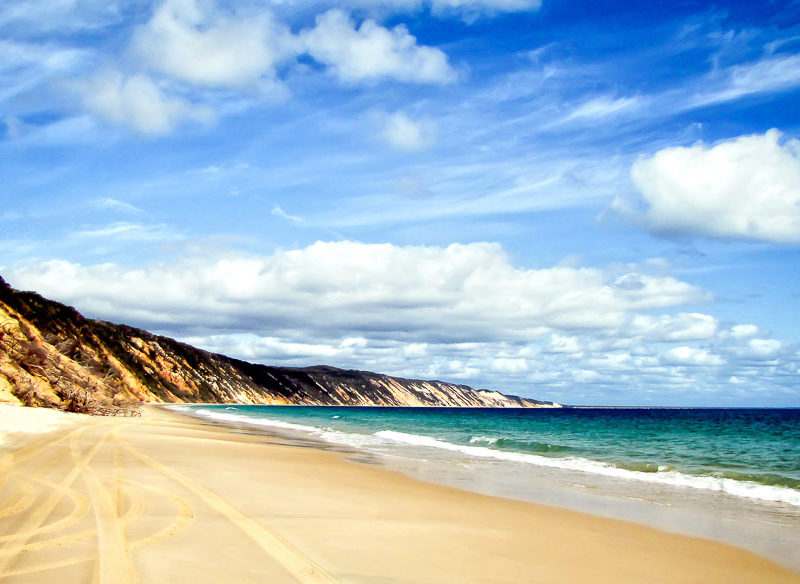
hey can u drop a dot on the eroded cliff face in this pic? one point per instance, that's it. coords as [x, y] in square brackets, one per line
[50, 355]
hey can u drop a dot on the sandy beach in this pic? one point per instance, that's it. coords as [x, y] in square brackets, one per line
[167, 498]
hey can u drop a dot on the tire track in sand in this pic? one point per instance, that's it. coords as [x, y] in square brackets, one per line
[113, 558]
[79, 509]
[10, 459]
[184, 515]
[25, 497]
[14, 546]
[284, 553]
[115, 562]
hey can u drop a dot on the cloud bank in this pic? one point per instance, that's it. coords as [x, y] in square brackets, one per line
[459, 293]
[461, 312]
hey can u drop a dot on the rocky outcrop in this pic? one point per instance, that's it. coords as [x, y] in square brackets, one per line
[51, 355]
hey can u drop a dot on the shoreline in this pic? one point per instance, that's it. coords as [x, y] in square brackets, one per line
[187, 500]
[767, 528]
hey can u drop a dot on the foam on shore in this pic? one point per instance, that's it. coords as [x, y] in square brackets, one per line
[383, 438]
[674, 478]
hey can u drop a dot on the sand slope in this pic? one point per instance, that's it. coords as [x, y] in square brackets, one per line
[169, 499]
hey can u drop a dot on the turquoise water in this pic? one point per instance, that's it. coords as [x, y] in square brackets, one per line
[746, 453]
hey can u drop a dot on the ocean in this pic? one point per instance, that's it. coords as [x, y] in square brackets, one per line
[726, 474]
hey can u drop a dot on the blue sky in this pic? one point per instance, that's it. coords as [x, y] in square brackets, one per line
[587, 202]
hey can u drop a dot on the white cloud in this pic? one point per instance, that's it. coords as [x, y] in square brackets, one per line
[743, 331]
[682, 327]
[612, 362]
[414, 350]
[116, 205]
[372, 52]
[192, 41]
[505, 365]
[564, 344]
[767, 75]
[27, 69]
[406, 134]
[603, 106]
[748, 187]
[461, 292]
[760, 349]
[492, 5]
[49, 58]
[691, 356]
[470, 10]
[125, 231]
[196, 42]
[279, 212]
[586, 376]
[60, 16]
[461, 312]
[139, 103]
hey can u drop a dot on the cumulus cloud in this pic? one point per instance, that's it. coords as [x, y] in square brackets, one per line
[139, 103]
[692, 356]
[505, 365]
[564, 344]
[682, 327]
[760, 349]
[192, 41]
[197, 47]
[406, 134]
[371, 52]
[461, 292]
[195, 42]
[748, 187]
[743, 331]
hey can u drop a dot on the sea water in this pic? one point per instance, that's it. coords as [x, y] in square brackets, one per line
[727, 474]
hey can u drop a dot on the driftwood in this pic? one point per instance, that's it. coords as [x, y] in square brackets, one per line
[80, 400]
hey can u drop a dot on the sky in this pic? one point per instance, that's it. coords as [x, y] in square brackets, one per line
[587, 202]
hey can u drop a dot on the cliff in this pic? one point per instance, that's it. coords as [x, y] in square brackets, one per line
[51, 355]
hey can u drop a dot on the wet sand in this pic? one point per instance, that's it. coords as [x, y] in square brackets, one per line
[168, 498]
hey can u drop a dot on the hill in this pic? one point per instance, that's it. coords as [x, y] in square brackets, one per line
[51, 355]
